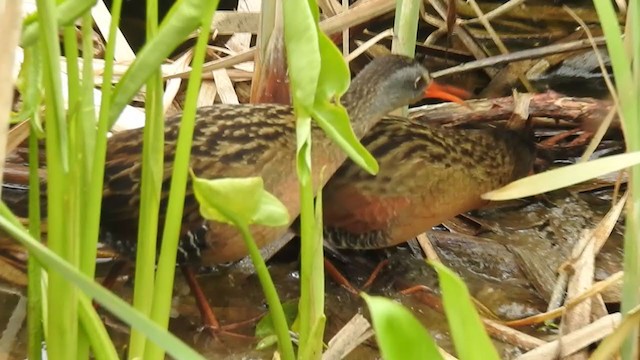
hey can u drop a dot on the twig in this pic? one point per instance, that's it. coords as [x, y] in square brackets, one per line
[352, 334]
[576, 340]
[519, 56]
[367, 44]
[495, 12]
[581, 280]
[595, 289]
[549, 105]
[355, 16]
[511, 336]
[427, 247]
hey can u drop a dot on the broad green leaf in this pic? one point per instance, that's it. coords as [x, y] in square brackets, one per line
[334, 73]
[330, 115]
[303, 55]
[271, 211]
[563, 177]
[399, 334]
[468, 333]
[229, 200]
[334, 121]
[222, 198]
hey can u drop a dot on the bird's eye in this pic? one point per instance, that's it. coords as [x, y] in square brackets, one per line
[420, 83]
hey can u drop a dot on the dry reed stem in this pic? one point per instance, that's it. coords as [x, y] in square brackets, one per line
[576, 340]
[102, 18]
[10, 27]
[596, 288]
[353, 333]
[363, 12]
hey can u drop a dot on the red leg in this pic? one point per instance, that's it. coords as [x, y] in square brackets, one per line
[338, 277]
[208, 317]
[114, 272]
[375, 273]
[582, 139]
[342, 280]
[554, 140]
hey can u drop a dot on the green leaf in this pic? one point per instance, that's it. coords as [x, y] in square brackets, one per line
[468, 333]
[244, 200]
[330, 115]
[563, 177]
[399, 334]
[220, 198]
[267, 342]
[334, 73]
[334, 121]
[303, 152]
[264, 327]
[301, 34]
[53, 262]
[271, 211]
[67, 12]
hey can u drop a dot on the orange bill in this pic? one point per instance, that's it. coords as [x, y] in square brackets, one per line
[446, 92]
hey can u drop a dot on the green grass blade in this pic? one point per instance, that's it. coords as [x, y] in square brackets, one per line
[610, 346]
[93, 200]
[34, 293]
[167, 261]
[102, 346]
[32, 77]
[183, 19]
[75, 179]
[468, 333]
[398, 333]
[150, 189]
[61, 296]
[563, 177]
[66, 12]
[56, 265]
[627, 76]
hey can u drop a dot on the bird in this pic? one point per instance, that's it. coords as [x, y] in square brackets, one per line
[245, 140]
[427, 175]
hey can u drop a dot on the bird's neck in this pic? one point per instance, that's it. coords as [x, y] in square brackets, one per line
[365, 106]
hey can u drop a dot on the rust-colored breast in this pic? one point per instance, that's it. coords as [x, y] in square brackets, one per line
[229, 141]
[427, 175]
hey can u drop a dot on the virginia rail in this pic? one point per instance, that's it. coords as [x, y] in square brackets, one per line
[427, 175]
[251, 140]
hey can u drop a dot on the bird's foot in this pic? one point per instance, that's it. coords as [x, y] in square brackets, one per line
[335, 274]
[216, 330]
[210, 322]
[582, 138]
